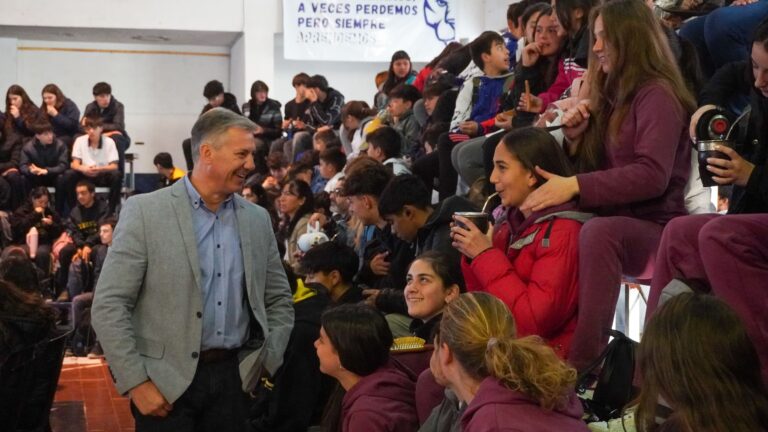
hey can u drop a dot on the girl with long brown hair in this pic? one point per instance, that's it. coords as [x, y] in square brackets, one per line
[697, 358]
[503, 380]
[630, 143]
[20, 112]
[61, 112]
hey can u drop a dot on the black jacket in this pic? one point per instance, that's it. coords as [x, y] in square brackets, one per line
[112, 117]
[294, 399]
[10, 152]
[327, 112]
[390, 299]
[67, 121]
[83, 223]
[52, 157]
[752, 140]
[25, 217]
[230, 103]
[297, 111]
[266, 115]
[436, 233]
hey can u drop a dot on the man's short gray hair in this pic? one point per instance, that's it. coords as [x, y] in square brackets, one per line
[213, 124]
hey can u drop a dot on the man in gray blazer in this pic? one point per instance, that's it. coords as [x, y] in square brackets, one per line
[193, 291]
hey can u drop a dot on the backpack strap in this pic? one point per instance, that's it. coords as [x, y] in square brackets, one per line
[547, 233]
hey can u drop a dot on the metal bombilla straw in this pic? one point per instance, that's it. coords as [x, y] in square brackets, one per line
[488, 201]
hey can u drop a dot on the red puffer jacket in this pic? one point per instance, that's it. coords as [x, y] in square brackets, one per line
[538, 276]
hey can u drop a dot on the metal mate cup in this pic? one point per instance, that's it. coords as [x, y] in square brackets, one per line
[706, 149]
[480, 220]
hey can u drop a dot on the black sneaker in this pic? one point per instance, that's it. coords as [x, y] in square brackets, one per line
[96, 351]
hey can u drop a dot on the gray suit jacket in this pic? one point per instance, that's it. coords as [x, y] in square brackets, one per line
[148, 304]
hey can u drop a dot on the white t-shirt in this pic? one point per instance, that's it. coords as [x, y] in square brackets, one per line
[90, 156]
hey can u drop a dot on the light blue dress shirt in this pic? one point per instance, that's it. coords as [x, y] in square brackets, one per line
[225, 317]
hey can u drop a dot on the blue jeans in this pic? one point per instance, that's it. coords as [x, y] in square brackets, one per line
[724, 35]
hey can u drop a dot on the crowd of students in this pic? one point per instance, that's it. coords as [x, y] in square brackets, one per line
[579, 119]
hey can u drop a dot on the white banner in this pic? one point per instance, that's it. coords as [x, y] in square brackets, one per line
[367, 30]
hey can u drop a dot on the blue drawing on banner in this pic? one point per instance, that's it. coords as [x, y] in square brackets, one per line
[436, 15]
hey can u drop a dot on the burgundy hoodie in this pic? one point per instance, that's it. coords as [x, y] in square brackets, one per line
[382, 401]
[647, 168]
[497, 408]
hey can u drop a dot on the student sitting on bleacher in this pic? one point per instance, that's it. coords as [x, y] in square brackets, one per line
[112, 115]
[433, 281]
[83, 276]
[477, 104]
[384, 257]
[295, 204]
[95, 158]
[700, 370]
[385, 146]
[406, 204]
[169, 173]
[62, 113]
[20, 112]
[353, 348]
[83, 227]
[632, 155]
[401, 118]
[12, 185]
[44, 159]
[265, 112]
[37, 213]
[333, 266]
[532, 262]
[501, 379]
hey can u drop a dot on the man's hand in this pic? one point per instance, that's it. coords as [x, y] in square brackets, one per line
[259, 130]
[149, 401]
[380, 265]
[298, 124]
[10, 171]
[735, 171]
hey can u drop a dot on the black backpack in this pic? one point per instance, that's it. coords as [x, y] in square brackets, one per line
[613, 388]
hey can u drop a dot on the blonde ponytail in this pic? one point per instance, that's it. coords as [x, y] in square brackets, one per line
[481, 333]
[531, 367]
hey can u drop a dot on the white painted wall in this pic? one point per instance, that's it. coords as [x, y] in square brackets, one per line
[8, 69]
[162, 93]
[219, 15]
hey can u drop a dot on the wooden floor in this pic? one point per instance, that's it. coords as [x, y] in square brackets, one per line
[88, 381]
